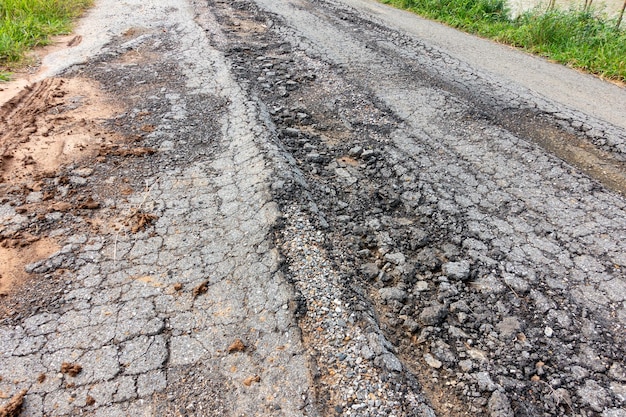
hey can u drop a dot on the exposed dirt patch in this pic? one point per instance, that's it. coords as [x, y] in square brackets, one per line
[47, 126]
[50, 124]
[15, 257]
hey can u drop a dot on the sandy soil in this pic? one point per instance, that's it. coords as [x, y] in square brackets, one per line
[44, 125]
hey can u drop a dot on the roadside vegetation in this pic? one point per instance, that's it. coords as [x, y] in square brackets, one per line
[25, 24]
[581, 38]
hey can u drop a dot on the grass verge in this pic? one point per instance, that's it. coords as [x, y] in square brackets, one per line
[577, 38]
[25, 24]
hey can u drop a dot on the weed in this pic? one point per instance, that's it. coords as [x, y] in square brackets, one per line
[25, 24]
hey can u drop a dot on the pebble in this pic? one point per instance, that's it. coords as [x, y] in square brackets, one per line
[433, 315]
[431, 361]
[392, 293]
[83, 172]
[458, 271]
[355, 151]
[499, 405]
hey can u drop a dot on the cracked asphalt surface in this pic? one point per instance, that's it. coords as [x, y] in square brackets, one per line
[314, 211]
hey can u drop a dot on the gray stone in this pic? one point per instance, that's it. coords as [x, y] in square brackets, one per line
[466, 365]
[355, 151]
[614, 412]
[390, 362]
[432, 361]
[617, 371]
[484, 381]
[290, 131]
[499, 405]
[396, 258]
[457, 333]
[370, 271]
[619, 390]
[459, 271]
[392, 293]
[518, 284]
[368, 153]
[593, 395]
[509, 327]
[433, 315]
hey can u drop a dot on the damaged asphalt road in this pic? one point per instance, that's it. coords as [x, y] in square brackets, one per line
[295, 208]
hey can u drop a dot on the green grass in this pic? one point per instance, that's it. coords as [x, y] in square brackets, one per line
[25, 24]
[577, 38]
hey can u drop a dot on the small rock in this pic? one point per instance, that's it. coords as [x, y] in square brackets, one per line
[392, 293]
[314, 157]
[367, 353]
[427, 260]
[355, 151]
[83, 172]
[420, 286]
[548, 331]
[411, 325]
[517, 284]
[78, 180]
[499, 405]
[509, 327]
[292, 132]
[617, 371]
[395, 258]
[370, 271]
[466, 365]
[433, 315]
[457, 333]
[484, 381]
[368, 153]
[34, 197]
[390, 362]
[614, 412]
[61, 206]
[251, 379]
[431, 361]
[459, 271]
[619, 390]
[594, 395]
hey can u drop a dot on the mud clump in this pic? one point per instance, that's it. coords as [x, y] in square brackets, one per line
[139, 220]
[237, 346]
[14, 407]
[71, 369]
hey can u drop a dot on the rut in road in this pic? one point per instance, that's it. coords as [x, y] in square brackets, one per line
[494, 268]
